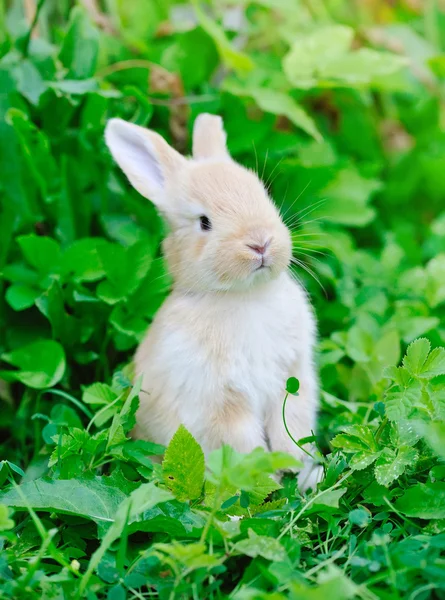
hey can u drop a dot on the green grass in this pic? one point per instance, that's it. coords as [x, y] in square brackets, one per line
[349, 138]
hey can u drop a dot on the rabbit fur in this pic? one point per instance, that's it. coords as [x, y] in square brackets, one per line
[236, 325]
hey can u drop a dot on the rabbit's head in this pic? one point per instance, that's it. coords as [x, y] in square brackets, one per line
[225, 232]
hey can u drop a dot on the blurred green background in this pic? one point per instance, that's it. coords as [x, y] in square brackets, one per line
[338, 105]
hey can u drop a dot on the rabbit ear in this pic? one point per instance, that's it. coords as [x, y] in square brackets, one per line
[145, 158]
[209, 137]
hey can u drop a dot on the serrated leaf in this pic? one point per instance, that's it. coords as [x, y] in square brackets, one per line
[261, 545]
[349, 443]
[361, 460]
[416, 356]
[363, 433]
[183, 466]
[392, 464]
[434, 364]
[98, 393]
[192, 556]
[399, 404]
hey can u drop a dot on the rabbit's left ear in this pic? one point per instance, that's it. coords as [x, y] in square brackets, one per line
[209, 137]
[145, 158]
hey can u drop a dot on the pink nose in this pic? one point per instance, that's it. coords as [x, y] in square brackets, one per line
[258, 249]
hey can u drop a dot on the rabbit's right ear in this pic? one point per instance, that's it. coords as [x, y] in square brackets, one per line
[145, 158]
[209, 137]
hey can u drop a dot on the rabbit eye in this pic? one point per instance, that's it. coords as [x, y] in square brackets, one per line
[206, 224]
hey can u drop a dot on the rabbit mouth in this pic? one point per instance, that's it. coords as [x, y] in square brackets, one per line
[261, 267]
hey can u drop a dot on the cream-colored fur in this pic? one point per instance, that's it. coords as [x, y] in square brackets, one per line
[219, 352]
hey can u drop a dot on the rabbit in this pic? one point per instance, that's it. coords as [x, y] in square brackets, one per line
[236, 325]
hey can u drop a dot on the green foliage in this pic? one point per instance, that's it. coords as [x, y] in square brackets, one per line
[339, 107]
[183, 466]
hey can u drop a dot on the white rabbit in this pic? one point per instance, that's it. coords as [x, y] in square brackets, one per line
[236, 325]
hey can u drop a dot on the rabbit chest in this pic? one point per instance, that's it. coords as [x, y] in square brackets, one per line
[201, 351]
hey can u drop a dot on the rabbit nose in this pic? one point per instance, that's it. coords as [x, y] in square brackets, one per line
[261, 250]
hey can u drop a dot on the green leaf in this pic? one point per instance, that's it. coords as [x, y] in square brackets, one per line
[36, 149]
[89, 498]
[392, 464]
[261, 545]
[81, 260]
[360, 517]
[322, 58]
[125, 269]
[292, 385]
[140, 450]
[7, 468]
[349, 443]
[20, 297]
[231, 57]
[74, 87]
[99, 394]
[5, 522]
[29, 81]
[434, 434]
[310, 53]
[183, 466]
[400, 404]
[80, 47]
[329, 499]
[434, 364]
[423, 501]
[361, 460]
[192, 556]
[348, 195]
[61, 417]
[279, 103]
[125, 420]
[364, 66]
[43, 253]
[64, 326]
[416, 356]
[145, 497]
[41, 364]
[435, 287]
